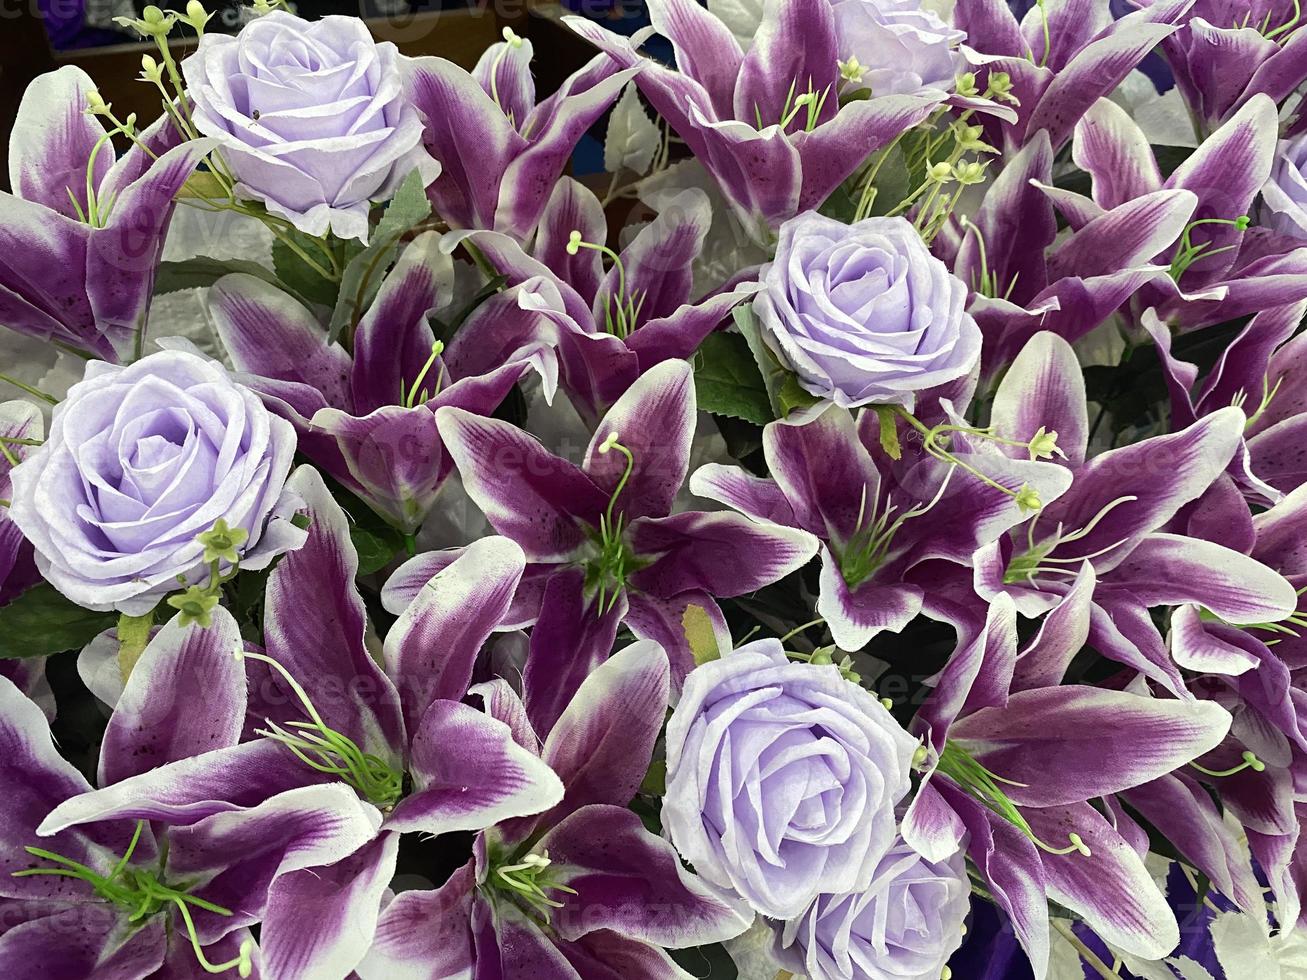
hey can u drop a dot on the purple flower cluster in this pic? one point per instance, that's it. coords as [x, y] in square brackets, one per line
[898, 524]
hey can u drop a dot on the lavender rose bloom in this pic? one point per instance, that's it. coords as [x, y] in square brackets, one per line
[905, 926]
[139, 461]
[782, 778]
[864, 313]
[900, 47]
[313, 118]
[1285, 193]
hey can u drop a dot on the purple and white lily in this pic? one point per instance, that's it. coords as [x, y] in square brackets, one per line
[604, 544]
[501, 153]
[766, 123]
[1011, 758]
[877, 519]
[368, 419]
[1105, 541]
[1060, 59]
[610, 326]
[90, 891]
[21, 427]
[393, 738]
[584, 891]
[82, 234]
[1227, 52]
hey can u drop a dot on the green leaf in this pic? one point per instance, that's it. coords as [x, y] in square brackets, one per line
[204, 271]
[408, 208]
[41, 622]
[300, 277]
[773, 375]
[793, 396]
[699, 634]
[728, 382]
[376, 548]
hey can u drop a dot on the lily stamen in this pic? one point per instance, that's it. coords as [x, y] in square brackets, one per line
[412, 397]
[1250, 761]
[614, 561]
[620, 318]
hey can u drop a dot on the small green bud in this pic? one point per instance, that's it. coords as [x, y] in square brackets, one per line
[1028, 499]
[96, 105]
[1043, 445]
[220, 542]
[969, 172]
[966, 85]
[195, 605]
[940, 173]
[150, 69]
[851, 70]
[196, 15]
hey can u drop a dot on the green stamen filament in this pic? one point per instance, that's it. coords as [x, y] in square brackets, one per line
[1288, 25]
[869, 546]
[140, 893]
[979, 782]
[326, 750]
[1250, 761]
[621, 313]
[1189, 253]
[1036, 561]
[615, 561]
[988, 285]
[933, 442]
[529, 879]
[413, 397]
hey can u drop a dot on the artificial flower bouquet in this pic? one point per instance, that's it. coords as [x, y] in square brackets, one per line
[861, 536]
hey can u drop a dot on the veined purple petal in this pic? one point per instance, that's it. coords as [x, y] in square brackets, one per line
[539, 500]
[269, 333]
[1170, 570]
[1011, 863]
[1121, 629]
[185, 696]
[504, 73]
[663, 621]
[1014, 227]
[794, 51]
[607, 955]
[393, 341]
[758, 497]
[1111, 887]
[706, 50]
[679, 334]
[1114, 151]
[825, 473]
[425, 934]
[572, 207]
[51, 143]
[1044, 388]
[1137, 231]
[602, 743]
[655, 421]
[431, 650]
[241, 853]
[82, 942]
[724, 554]
[1211, 647]
[1160, 474]
[319, 922]
[1186, 815]
[471, 137]
[1097, 69]
[657, 263]
[1062, 634]
[469, 774]
[572, 637]
[631, 882]
[855, 615]
[1104, 741]
[311, 597]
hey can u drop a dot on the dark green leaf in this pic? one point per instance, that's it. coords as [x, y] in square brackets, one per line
[773, 375]
[376, 548]
[728, 382]
[41, 621]
[203, 271]
[362, 277]
[297, 274]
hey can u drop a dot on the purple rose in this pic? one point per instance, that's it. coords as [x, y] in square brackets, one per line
[903, 927]
[139, 461]
[1285, 193]
[864, 313]
[894, 47]
[313, 118]
[782, 778]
